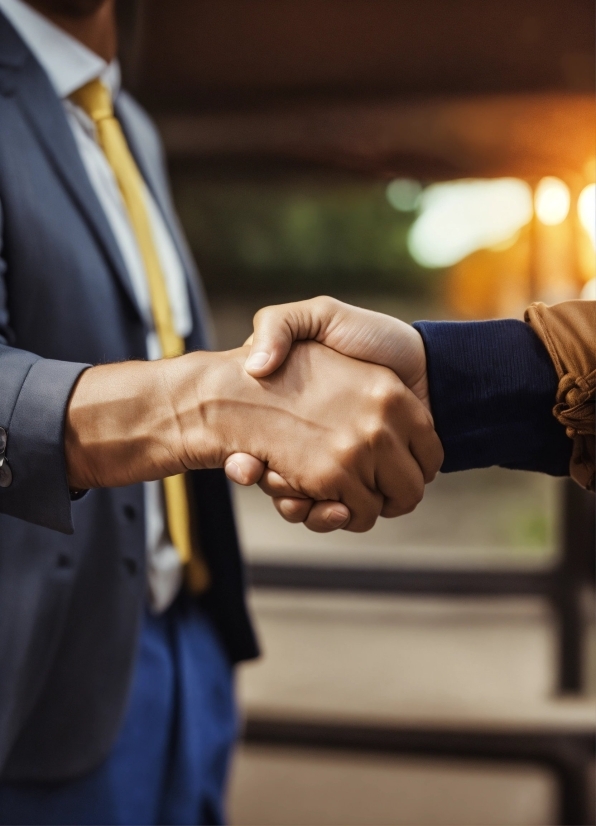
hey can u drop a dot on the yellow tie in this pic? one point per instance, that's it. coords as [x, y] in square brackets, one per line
[95, 100]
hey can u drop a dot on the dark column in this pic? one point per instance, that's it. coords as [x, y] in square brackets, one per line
[575, 573]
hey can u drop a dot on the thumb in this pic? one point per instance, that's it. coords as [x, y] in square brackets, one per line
[243, 468]
[277, 327]
[275, 330]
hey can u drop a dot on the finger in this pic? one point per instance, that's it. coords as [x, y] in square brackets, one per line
[276, 328]
[427, 449]
[275, 485]
[365, 507]
[397, 475]
[243, 468]
[324, 517]
[358, 513]
[402, 485]
[407, 459]
[293, 510]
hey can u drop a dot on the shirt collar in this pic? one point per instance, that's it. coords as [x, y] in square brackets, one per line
[67, 62]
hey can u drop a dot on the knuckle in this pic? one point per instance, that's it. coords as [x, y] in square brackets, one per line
[327, 478]
[343, 452]
[406, 501]
[435, 463]
[263, 314]
[409, 508]
[278, 484]
[391, 510]
[348, 457]
[388, 392]
[417, 489]
[403, 509]
[422, 421]
[326, 303]
[367, 514]
[415, 497]
[292, 510]
[375, 433]
[435, 468]
[431, 475]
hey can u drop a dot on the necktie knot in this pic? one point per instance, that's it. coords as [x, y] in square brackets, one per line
[94, 99]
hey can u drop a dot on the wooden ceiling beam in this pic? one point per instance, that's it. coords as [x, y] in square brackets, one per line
[199, 54]
[431, 139]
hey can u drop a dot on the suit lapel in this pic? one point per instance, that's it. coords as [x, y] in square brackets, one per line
[21, 76]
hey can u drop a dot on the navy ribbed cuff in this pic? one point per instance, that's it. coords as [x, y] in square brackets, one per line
[492, 391]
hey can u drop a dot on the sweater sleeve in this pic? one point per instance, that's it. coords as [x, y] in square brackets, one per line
[567, 330]
[492, 390]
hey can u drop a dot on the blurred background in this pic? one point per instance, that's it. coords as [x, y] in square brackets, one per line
[429, 159]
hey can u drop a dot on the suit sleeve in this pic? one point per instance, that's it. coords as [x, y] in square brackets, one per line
[492, 391]
[34, 394]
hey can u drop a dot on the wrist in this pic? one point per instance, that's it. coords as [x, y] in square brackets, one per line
[419, 381]
[119, 427]
[190, 390]
[409, 360]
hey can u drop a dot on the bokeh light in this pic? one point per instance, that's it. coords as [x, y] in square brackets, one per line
[460, 217]
[586, 209]
[552, 201]
[403, 194]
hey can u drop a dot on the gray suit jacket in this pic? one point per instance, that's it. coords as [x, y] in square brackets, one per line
[72, 575]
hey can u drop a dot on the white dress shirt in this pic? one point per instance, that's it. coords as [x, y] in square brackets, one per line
[69, 65]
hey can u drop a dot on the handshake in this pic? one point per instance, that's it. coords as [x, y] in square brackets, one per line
[363, 444]
[326, 407]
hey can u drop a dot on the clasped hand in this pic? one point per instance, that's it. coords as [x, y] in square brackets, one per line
[324, 424]
[377, 447]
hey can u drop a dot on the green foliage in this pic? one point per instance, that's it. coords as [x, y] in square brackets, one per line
[530, 529]
[297, 239]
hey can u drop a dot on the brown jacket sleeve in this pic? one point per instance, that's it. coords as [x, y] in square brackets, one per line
[568, 331]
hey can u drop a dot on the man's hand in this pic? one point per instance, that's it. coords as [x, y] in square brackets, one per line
[353, 331]
[333, 428]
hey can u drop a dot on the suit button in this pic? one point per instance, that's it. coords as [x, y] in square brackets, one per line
[64, 561]
[131, 565]
[130, 512]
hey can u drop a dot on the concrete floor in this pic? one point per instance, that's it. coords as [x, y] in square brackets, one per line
[442, 659]
[332, 651]
[294, 788]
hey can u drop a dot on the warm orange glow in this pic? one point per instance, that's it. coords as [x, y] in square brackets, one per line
[490, 283]
[552, 201]
[586, 209]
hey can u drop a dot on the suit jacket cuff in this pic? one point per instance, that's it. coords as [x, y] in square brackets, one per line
[34, 394]
[492, 390]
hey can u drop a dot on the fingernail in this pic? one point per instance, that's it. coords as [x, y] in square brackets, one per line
[336, 517]
[257, 361]
[234, 473]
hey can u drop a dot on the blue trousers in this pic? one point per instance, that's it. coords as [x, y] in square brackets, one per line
[170, 761]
